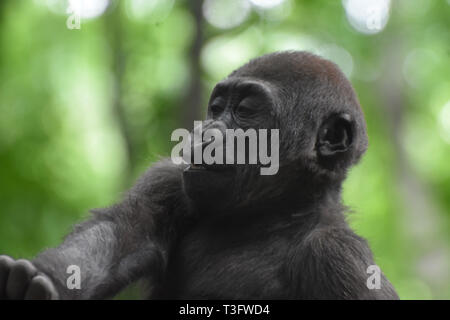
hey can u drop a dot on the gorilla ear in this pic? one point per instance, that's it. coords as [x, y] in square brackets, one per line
[335, 135]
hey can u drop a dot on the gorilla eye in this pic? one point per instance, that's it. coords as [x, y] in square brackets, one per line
[245, 110]
[216, 109]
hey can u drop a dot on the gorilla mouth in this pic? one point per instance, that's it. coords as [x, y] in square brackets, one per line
[209, 167]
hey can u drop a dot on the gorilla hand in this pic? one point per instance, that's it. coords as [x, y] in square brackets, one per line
[19, 279]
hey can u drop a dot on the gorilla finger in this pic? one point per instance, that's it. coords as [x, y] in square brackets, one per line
[5, 267]
[41, 288]
[22, 271]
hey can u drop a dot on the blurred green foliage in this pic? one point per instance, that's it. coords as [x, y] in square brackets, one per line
[84, 112]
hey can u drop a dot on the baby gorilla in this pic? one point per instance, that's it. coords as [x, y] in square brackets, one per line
[226, 231]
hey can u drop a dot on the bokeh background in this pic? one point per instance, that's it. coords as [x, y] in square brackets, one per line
[84, 111]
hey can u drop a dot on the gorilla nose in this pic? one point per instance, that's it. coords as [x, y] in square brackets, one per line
[219, 125]
[205, 139]
[199, 143]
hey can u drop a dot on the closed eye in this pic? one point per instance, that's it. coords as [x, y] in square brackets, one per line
[245, 110]
[215, 109]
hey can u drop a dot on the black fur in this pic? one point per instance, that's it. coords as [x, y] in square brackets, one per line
[233, 233]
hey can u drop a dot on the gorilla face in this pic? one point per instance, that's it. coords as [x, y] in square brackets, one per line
[321, 131]
[235, 103]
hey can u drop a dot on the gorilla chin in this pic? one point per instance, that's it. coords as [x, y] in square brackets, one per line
[208, 184]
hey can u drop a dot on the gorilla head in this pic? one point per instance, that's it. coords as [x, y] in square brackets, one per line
[321, 126]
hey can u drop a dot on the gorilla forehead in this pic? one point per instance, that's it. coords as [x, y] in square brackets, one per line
[291, 67]
[301, 74]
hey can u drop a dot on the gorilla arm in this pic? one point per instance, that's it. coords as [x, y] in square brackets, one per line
[115, 247]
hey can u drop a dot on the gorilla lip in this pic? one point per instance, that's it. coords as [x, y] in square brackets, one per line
[196, 167]
[208, 167]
